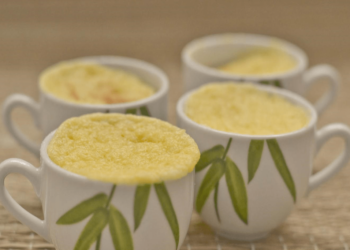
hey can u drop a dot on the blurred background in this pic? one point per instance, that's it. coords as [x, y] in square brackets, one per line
[35, 34]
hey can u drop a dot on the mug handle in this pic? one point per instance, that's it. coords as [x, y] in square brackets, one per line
[322, 136]
[34, 176]
[29, 104]
[317, 72]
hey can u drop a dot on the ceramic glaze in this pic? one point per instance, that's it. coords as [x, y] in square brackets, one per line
[80, 213]
[247, 185]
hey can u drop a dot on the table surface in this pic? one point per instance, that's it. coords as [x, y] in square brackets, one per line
[34, 35]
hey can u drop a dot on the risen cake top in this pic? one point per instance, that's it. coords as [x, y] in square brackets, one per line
[88, 83]
[244, 109]
[260, 61]
[123, 149]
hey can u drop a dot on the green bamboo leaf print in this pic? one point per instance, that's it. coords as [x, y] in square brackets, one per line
[131, 111]
[144, 111]
[212, 177]
[140, 203]
[264, 82]
[281, 166]
[209, 156]
[216, 194]
[92, 229]
[254, 156]
[168, 209]
[277, 83]
[83, 210]
[237, 190]
[98, 242]
[120, 231]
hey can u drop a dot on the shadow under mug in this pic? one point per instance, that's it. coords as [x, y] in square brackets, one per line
[201, 57]
[52, 111]
[251, 190]
[77, 209]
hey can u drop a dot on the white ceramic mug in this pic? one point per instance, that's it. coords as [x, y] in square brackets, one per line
[247, 185]
[78, 211]
[201, 57]
[52, 111]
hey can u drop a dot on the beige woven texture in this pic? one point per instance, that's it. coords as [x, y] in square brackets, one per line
[36, 34]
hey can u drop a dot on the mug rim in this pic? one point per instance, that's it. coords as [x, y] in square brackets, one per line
[286, 94]
[255, 39]
[117, 60]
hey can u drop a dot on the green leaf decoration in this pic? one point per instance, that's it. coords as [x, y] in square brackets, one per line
[209, 156]
[131, 111]
[236, 187]
[83, 210]
[140, 203]
[144, 111]
[254, 156]
[264, 82]
[98, 242]
[281, 166]
[92, 230]
[212, 177]
[120, 231]
[216, 194]
[277, 83]
[168, 209]
[103, 212]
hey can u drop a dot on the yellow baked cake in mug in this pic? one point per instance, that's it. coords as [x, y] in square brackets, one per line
[260, 61]
[124, 149]
[244, 109]
[89, 83]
